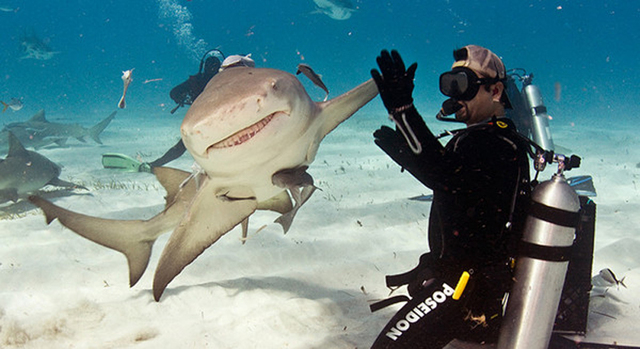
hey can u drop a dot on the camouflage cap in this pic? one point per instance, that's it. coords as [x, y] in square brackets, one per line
[480, 60]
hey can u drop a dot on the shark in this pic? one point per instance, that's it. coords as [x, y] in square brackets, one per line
[38, 132]
[35, 48]
[23, 172]
[253, 133]
[336, 9]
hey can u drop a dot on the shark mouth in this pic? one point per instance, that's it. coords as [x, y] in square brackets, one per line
[244, 134]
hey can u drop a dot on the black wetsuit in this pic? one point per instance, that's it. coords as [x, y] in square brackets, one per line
[480, 182]
[183, 94]
[187, 92]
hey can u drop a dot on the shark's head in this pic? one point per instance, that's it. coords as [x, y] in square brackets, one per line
[246, 117]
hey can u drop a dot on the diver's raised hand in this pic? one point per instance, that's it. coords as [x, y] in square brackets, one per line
[395, 83]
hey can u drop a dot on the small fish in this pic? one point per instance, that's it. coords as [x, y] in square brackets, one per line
[608, 276]
[15, 104]
[126, 79]
[151, 80]
[557, 88]
[8, 9]
[315, 78]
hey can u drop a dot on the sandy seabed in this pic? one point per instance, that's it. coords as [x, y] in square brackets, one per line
[310, 288]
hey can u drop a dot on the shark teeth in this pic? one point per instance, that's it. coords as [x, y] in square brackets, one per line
[244, 134]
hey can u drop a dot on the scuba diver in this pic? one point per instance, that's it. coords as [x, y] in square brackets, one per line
[480, 181]
[187, 92]
[183, 94]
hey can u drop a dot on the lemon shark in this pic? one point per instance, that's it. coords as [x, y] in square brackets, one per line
[253, 132]
[38, 132]
[23, 172]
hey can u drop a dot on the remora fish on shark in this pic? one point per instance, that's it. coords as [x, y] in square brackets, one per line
[38, 132]
[254, 132]
[23, 172]
[315, 78]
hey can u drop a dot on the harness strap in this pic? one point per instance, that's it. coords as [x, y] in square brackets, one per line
[387, 302]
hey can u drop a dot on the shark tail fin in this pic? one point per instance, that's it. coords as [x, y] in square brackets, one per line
[96, 130]
[122, 236]
[5, 106]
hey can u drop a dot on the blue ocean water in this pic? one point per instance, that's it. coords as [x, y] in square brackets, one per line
[585, 50]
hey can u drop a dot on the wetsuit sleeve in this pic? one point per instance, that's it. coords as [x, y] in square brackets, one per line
[175, 152]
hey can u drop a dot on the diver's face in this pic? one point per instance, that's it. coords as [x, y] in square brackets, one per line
[481, 107]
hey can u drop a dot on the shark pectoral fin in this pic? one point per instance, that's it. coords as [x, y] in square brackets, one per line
[133, 238]
[280, 203]
[301, 196]
[172, 181]
[337, 110]
[209, 217]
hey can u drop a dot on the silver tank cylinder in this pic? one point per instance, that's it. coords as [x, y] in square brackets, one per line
[541, 266]
[539, 117]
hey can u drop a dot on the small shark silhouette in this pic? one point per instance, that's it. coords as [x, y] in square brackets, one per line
[254, 132]
[336, 9]
[35, 48]
[38, 132]
[23, 172]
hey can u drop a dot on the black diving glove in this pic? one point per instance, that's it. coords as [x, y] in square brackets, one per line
[394, 144]
[395, 84]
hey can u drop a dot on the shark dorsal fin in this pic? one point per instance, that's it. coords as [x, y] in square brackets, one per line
[16, 149]
[38, 117]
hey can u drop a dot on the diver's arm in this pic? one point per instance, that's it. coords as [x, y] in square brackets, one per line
[175, 152]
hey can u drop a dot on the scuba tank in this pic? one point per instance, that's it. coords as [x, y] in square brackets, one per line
[529, 112]
[544, 253]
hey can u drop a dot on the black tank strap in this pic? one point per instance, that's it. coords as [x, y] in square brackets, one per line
[387, 302]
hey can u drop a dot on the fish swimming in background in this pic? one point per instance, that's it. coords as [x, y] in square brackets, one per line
[126, 79]
[557, 91]
[315, 78]
[8, 9]
[15, 104]
[39, 132]
[608, 276]
[35, 48]
[336, 9]
[253, 132]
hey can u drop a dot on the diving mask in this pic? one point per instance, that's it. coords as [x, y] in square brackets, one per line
[462, 83]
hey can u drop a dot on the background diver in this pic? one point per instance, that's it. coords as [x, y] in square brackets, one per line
[183, 94]
[480, 181]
